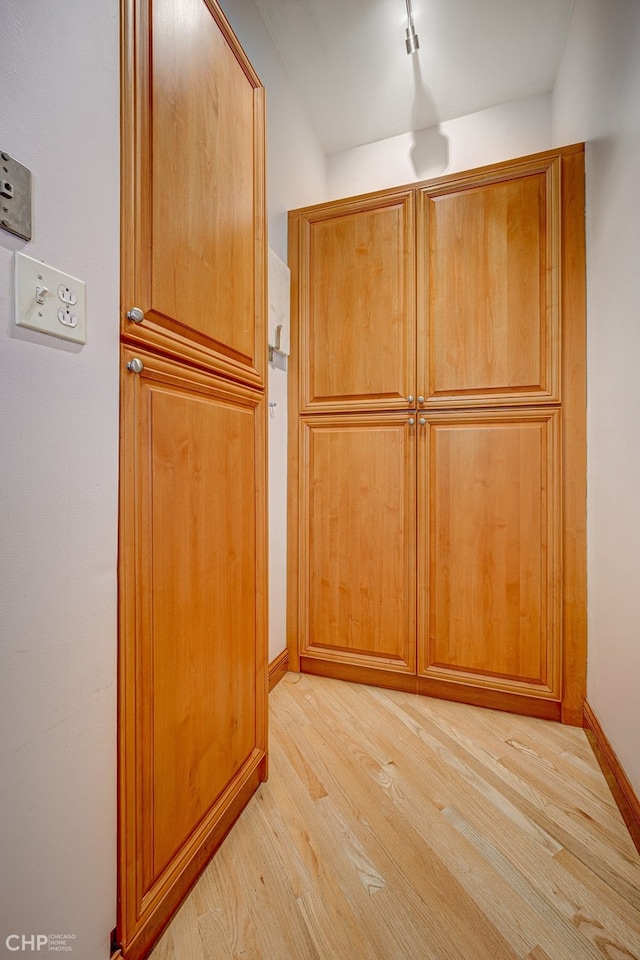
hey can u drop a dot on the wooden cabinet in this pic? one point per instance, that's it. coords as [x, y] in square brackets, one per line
[489, 260]
[193, 192]
[490, 610]
[192, 710]
[192, 652]
[357, 305]
[485, 385]
[358, 493]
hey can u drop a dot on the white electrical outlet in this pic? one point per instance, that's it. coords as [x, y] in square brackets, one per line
[49, 301]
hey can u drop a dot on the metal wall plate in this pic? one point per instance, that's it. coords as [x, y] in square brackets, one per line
[15, 197]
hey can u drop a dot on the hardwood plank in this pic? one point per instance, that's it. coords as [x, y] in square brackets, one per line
[184, 939]
[396, 827]
[554, 932]
[381, 855]
[601, 890]
[527, 779]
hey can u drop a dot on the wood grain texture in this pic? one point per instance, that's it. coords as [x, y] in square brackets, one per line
[356, 302]
[192, 680]
[192, 650]
[200, 570]
[491, 281]
[357, 503]
[396, 827]
[193, 180]
[491, 593]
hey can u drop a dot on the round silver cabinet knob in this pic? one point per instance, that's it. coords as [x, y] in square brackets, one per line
[422, 421]
[411, 421]
[420, 399]
[410, 399]
[136, 315]
[136, 365]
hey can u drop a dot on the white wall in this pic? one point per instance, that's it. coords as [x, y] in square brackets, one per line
[597, 98]
[296, 176]
[58, 485]
[500, 133]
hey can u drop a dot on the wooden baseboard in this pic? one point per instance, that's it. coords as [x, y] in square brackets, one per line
[623, 793]
[278, 668]
[116, 952]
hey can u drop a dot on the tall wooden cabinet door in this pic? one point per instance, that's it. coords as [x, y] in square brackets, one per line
[193, 188]
[192, 647]
[489, 286]
[192, 666]
[355, 298]
[490, 559]
[357, 547]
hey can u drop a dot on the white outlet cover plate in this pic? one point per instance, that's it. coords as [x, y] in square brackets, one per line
[56, 315]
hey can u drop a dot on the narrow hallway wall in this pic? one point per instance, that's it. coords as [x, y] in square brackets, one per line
[58, 486]
[296, 175]
[596, 99]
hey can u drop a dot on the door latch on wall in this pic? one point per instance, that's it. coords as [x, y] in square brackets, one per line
[15, 197]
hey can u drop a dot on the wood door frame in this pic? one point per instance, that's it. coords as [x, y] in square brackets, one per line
[574, 435]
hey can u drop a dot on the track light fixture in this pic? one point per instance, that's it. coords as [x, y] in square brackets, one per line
[412, 43]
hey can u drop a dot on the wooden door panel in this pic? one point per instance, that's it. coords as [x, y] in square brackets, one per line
[192, 568]
[490, 274]
[490, 597]
[357, 304]
[192, 635]
[202, 629]
[358, 541]
[193, 233]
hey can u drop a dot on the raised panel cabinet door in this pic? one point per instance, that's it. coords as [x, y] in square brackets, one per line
[192, 652]
[193, 188]
[490, 552]
[489, 269]
[357, 548]
[356, 300]
[500, 335]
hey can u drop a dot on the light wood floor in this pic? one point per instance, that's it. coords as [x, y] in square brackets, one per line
[395, 826]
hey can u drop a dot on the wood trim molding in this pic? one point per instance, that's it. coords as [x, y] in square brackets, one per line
[278, 668]
[623, 793]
